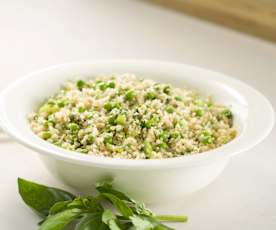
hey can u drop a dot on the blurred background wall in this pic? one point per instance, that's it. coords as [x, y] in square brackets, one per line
[256, 17]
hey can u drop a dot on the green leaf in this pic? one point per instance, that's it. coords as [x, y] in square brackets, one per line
[41, 198]
[92, 221]
[60, 220]
[118, 203]
[59, 206]
[110, 219]
[141, 223]
[140, 209]
[106, 187]
[137, 207]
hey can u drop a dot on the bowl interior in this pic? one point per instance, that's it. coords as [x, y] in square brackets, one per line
[24, 96]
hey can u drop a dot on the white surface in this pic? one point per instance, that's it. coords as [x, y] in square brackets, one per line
[151, 181]
[36, 34]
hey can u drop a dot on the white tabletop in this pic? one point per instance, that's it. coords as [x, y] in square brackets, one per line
[36, 34]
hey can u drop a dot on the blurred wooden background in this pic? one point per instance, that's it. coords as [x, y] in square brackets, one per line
[256, 17]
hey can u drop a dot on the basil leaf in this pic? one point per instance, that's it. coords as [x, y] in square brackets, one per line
[106, 187]
[141, 223]
[58, 207]
[140, 209]
[110, 219]
[137, 207]
[40, 197]
[92, 221]
[60, 220]
[119, 204]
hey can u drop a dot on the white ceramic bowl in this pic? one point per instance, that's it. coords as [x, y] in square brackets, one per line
[148, 180]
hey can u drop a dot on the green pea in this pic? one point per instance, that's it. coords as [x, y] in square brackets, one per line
[48, 108]
[112, 120]
[62, 103]
[206, 138]
[147, 149]
[178, 98]
[163, 145]
[81, 109]
[46, 135]
[121, 119]
[80, 84]
[151, 122]
[90, 139]
[103, 86]
[150, 95]
[112, 105]
[51, 119]
[108, 140]
[108, 106]
[111, 84]
[109, 147]
[129, 95]
[198, 112]
[169, 109]
[74, 127]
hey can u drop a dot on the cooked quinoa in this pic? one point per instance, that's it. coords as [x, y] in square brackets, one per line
[121, 116]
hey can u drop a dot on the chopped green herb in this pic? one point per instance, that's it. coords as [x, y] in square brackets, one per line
[167, 90]
[164, 136]
[227, 113]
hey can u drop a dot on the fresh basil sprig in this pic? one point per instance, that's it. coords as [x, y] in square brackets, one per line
[60, 208]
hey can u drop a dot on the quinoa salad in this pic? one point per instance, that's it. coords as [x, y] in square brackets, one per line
[123, 116]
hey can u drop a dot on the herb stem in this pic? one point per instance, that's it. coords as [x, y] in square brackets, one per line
[171, 218]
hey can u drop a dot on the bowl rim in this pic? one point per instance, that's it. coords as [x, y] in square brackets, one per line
[236, 146]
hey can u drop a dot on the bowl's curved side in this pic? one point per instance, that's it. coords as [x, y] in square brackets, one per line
[252, 109]
[156, 185]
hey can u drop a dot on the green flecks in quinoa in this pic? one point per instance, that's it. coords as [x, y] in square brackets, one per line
[126, 117]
